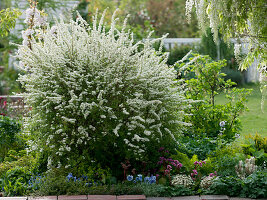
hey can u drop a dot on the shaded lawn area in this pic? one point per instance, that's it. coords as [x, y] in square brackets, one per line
[254, 120]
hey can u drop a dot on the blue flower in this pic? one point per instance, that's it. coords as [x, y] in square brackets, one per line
[154, 178]
[129, 178]
[140, 177]
[147, 179]
[69, 176]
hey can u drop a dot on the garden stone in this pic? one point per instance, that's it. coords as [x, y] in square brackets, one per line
[186, 198]
[13, 198]
[131, 197]
[77, 197]
[239, 198]
[43, 198]
[159, 198]
[214, 197]
[101, 197]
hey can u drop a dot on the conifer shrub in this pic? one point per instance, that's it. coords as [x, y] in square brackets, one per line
[98, 96]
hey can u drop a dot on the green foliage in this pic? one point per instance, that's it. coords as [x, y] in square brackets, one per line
[178, 52]
[10, 137]
[254, 186]
[14, 181]
[9, 77]
[256, 146]
[226, 158]
[234, 74]
[206, 115]
[8, 20]
[229, 185]
[19, 159]
[200, 145]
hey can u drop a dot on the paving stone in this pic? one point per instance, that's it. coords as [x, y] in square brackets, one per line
[72, 197]
[186, 198]
[214, 197]
[158, 198]
[101, 197]
[131, 197]
[43, 198]
[13, 198]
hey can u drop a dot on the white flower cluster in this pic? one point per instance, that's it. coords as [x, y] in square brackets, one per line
[207, 181]
[207, 11]
[35, 17]
[36, 21]
[87, 85]
[247, 168]
[182, 179]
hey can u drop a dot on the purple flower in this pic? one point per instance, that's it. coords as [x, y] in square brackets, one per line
[196, 162]
[161, 149]
[195, 171]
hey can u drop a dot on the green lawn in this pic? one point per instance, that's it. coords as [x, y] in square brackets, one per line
[254, 120]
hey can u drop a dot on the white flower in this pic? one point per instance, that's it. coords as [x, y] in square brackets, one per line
[222, 123]
[53, 30]
[27, 33]
[26, 42]
[182, 179]
[207, 181]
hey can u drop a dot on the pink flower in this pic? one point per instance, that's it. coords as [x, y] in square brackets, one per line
[169, 167]
[195, 163]
[167, 171]
[204, 162]
[192, 174]
[195, 171]
[200, 164]
[4, 103]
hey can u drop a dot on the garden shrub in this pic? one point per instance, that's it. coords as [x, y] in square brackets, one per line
[97, 96]
[213, 124]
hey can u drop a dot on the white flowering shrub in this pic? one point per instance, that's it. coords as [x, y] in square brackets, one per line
[96, 95]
